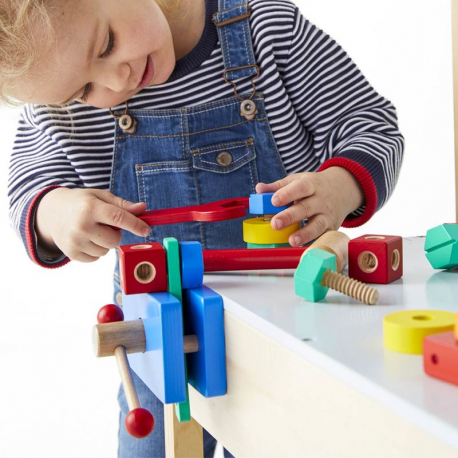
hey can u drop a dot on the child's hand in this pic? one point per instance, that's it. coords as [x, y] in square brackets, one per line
[76, 221]
[324, 198]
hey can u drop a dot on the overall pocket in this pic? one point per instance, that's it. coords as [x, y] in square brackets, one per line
[226, 170]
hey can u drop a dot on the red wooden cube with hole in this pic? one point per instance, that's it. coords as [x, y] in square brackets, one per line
[142, 268]
[375, 258]
[440, 356]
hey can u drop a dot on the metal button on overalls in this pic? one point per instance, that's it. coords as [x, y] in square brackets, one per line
[224, 159]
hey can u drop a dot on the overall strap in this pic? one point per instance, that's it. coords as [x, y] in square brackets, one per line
[232, 23]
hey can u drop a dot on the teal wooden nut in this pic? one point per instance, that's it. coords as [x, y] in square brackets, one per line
[309, 274]
[441, 246]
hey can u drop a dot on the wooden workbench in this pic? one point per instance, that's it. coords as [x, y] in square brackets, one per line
[314, 379]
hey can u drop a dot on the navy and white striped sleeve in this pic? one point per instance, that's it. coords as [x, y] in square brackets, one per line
[37, 166]
[353, 126]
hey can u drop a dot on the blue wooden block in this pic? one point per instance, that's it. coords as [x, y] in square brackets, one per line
[162, 366]
[203, 311]
[261, 204]
[192, 265]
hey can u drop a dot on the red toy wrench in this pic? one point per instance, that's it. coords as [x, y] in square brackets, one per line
[221, 210]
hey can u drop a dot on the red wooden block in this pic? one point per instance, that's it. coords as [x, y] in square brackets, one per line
[375, 258]
[440, 356]
[142, 268]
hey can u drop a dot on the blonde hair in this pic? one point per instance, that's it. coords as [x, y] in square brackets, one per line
[18, 45]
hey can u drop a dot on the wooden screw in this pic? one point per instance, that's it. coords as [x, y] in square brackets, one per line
[350, 287]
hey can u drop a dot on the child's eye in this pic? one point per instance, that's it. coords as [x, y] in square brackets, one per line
[108, 51]
[111, 42]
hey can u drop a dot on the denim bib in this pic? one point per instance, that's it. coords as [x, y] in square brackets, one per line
[204, 153]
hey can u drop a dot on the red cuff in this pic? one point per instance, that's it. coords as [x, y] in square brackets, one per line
[367, 185]
[30, 233]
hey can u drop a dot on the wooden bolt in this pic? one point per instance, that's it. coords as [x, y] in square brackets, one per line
[350, 287]
[316, 273]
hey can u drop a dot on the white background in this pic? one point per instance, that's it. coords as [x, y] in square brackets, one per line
[56, 398]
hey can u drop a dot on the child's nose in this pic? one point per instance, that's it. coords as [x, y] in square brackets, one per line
[117, 79]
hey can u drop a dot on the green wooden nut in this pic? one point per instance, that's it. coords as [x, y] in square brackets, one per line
[309, 273]
[441, 246]
[172, 249]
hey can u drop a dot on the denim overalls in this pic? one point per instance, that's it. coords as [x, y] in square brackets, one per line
[191, 156]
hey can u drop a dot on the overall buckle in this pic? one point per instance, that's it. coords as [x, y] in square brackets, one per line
[234, 19]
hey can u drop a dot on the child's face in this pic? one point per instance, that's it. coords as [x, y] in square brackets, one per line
[64, 70]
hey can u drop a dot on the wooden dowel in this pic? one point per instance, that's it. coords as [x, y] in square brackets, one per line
[107, 337]
[190, 344]
[126, 378]
[336, 243]
[258, 259]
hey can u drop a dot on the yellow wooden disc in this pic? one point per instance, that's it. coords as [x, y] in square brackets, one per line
[256, 230]
[456, 327]
[404, 331]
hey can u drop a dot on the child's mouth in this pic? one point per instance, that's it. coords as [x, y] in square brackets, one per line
[148, 74]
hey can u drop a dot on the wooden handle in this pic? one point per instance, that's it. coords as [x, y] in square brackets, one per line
[130, 335]
[336, 243]
[139, 422]
[126, 378]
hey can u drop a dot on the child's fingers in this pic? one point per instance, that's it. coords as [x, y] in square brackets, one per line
[316, 226]
[106, 237]
[137, 208]
[79, 256]
[264, 187]
[303, 209]
[110, 198]
[276, 185]
[294, 191]
[113, 215]
[93, 250]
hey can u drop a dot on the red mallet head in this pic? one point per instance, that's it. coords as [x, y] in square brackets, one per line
[139, 423]
[110, 313]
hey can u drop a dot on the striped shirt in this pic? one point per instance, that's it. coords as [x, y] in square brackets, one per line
[321, 109]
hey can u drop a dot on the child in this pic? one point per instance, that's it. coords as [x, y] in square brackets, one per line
[127, 109]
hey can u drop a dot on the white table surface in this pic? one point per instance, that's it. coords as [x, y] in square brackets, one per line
[345, 337]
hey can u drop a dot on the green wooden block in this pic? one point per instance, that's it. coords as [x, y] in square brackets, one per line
[172, 249]
[309, 273]
[270, 245]
[183, 409]
[441, 246]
